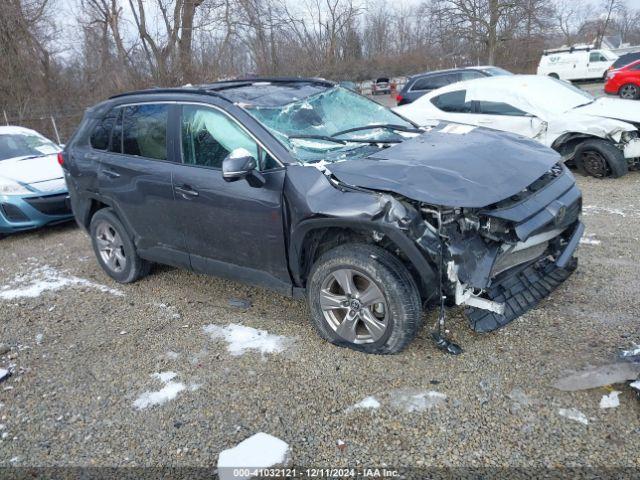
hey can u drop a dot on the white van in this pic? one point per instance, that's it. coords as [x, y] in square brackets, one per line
[576, 63]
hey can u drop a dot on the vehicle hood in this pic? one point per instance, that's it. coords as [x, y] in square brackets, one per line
[41, 173]
[452, 165]
[615, 108]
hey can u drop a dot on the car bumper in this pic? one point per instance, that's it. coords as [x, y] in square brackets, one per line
[26, 212]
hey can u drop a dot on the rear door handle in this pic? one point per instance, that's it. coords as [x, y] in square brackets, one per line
[186, 191]
[111, 173]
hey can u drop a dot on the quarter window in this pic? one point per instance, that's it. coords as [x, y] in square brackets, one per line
[102, 132]
[209, 135]
[453, 102]
[499, 108]
[144, 131]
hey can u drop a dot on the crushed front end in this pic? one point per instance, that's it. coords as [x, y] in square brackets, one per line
[501, 260]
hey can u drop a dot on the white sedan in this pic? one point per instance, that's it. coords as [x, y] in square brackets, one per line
[600, 136]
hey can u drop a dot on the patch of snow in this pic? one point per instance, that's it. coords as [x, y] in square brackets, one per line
[366, 403]
[258, 451]
[240, 339]
[590, 240]
[45, 278]
[166, 393]
[417, 401]
[635, 385]
[4, 373]
[611, 400]
[588, 209]
[635, 351]
[574, 414]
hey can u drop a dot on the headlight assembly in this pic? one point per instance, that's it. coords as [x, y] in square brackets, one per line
[10, 187]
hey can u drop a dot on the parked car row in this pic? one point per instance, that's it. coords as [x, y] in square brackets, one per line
[598, 136]
[33, 192]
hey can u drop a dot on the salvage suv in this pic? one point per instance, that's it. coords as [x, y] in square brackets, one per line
[305, 187]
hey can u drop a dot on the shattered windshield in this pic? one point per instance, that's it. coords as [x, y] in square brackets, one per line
[333, 125]
[23, 144]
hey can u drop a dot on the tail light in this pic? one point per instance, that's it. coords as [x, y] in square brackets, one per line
[60, 159]
[398, 98]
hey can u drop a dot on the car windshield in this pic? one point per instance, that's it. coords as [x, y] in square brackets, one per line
[569, 96]
[18, 144]
[333, 125]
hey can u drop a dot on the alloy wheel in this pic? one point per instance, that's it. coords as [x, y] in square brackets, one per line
[629, 92]
[111, 247]
[595, 164]
[354, 306]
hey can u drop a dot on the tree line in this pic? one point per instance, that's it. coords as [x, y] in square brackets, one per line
[110, 46]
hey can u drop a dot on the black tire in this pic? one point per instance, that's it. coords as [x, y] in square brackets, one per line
[629, 91]
[600, 158]
[133, 267]
[402, 305]
[554, 75]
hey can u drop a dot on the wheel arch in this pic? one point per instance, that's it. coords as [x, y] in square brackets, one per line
[311, 238]
[567, 143]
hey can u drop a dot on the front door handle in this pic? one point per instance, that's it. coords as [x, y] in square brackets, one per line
[111, 173]
[186, 191]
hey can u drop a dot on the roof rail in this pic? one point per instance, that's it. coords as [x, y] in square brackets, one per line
[571, 49]
[185, 89]
[214, 87]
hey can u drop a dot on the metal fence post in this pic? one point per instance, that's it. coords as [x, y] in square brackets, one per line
[55, 128]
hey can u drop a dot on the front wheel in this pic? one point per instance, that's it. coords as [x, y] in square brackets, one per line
[362, 297]
[600, 159]
[629, 91]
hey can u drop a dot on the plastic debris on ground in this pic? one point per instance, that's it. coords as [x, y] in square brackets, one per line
[611, 400]
[574, 414]
[594, 377]
[4, 374]
[258, 451]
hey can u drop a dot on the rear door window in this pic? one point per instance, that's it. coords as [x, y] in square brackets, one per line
[144, 131]
[453, 102]
[433, 82]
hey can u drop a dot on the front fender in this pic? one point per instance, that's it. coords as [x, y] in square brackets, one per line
[400, 238]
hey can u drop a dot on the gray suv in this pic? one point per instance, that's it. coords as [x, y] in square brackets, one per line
[309, 189]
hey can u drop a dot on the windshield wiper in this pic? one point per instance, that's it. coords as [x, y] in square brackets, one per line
[30, 157]
[387, 126]
[340, 141]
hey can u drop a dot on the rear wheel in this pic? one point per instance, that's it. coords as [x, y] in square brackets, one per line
[362, 297]
[600, 159]
[629, 91]
[114, 249]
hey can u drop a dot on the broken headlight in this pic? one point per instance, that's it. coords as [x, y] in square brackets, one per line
[628, 136]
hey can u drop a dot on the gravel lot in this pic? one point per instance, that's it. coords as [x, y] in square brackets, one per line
[84, 349]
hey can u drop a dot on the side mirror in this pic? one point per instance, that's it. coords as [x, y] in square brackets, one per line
[241, 164]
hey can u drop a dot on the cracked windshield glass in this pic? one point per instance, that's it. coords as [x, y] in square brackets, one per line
[334, 125]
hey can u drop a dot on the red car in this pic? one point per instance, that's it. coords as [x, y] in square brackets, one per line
[624, 81]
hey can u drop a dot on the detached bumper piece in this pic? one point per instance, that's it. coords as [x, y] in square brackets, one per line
[520, 292]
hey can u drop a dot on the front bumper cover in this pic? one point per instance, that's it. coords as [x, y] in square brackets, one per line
[521, 288]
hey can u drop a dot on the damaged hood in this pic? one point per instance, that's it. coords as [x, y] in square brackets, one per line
[452, 165]
[615, 108]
